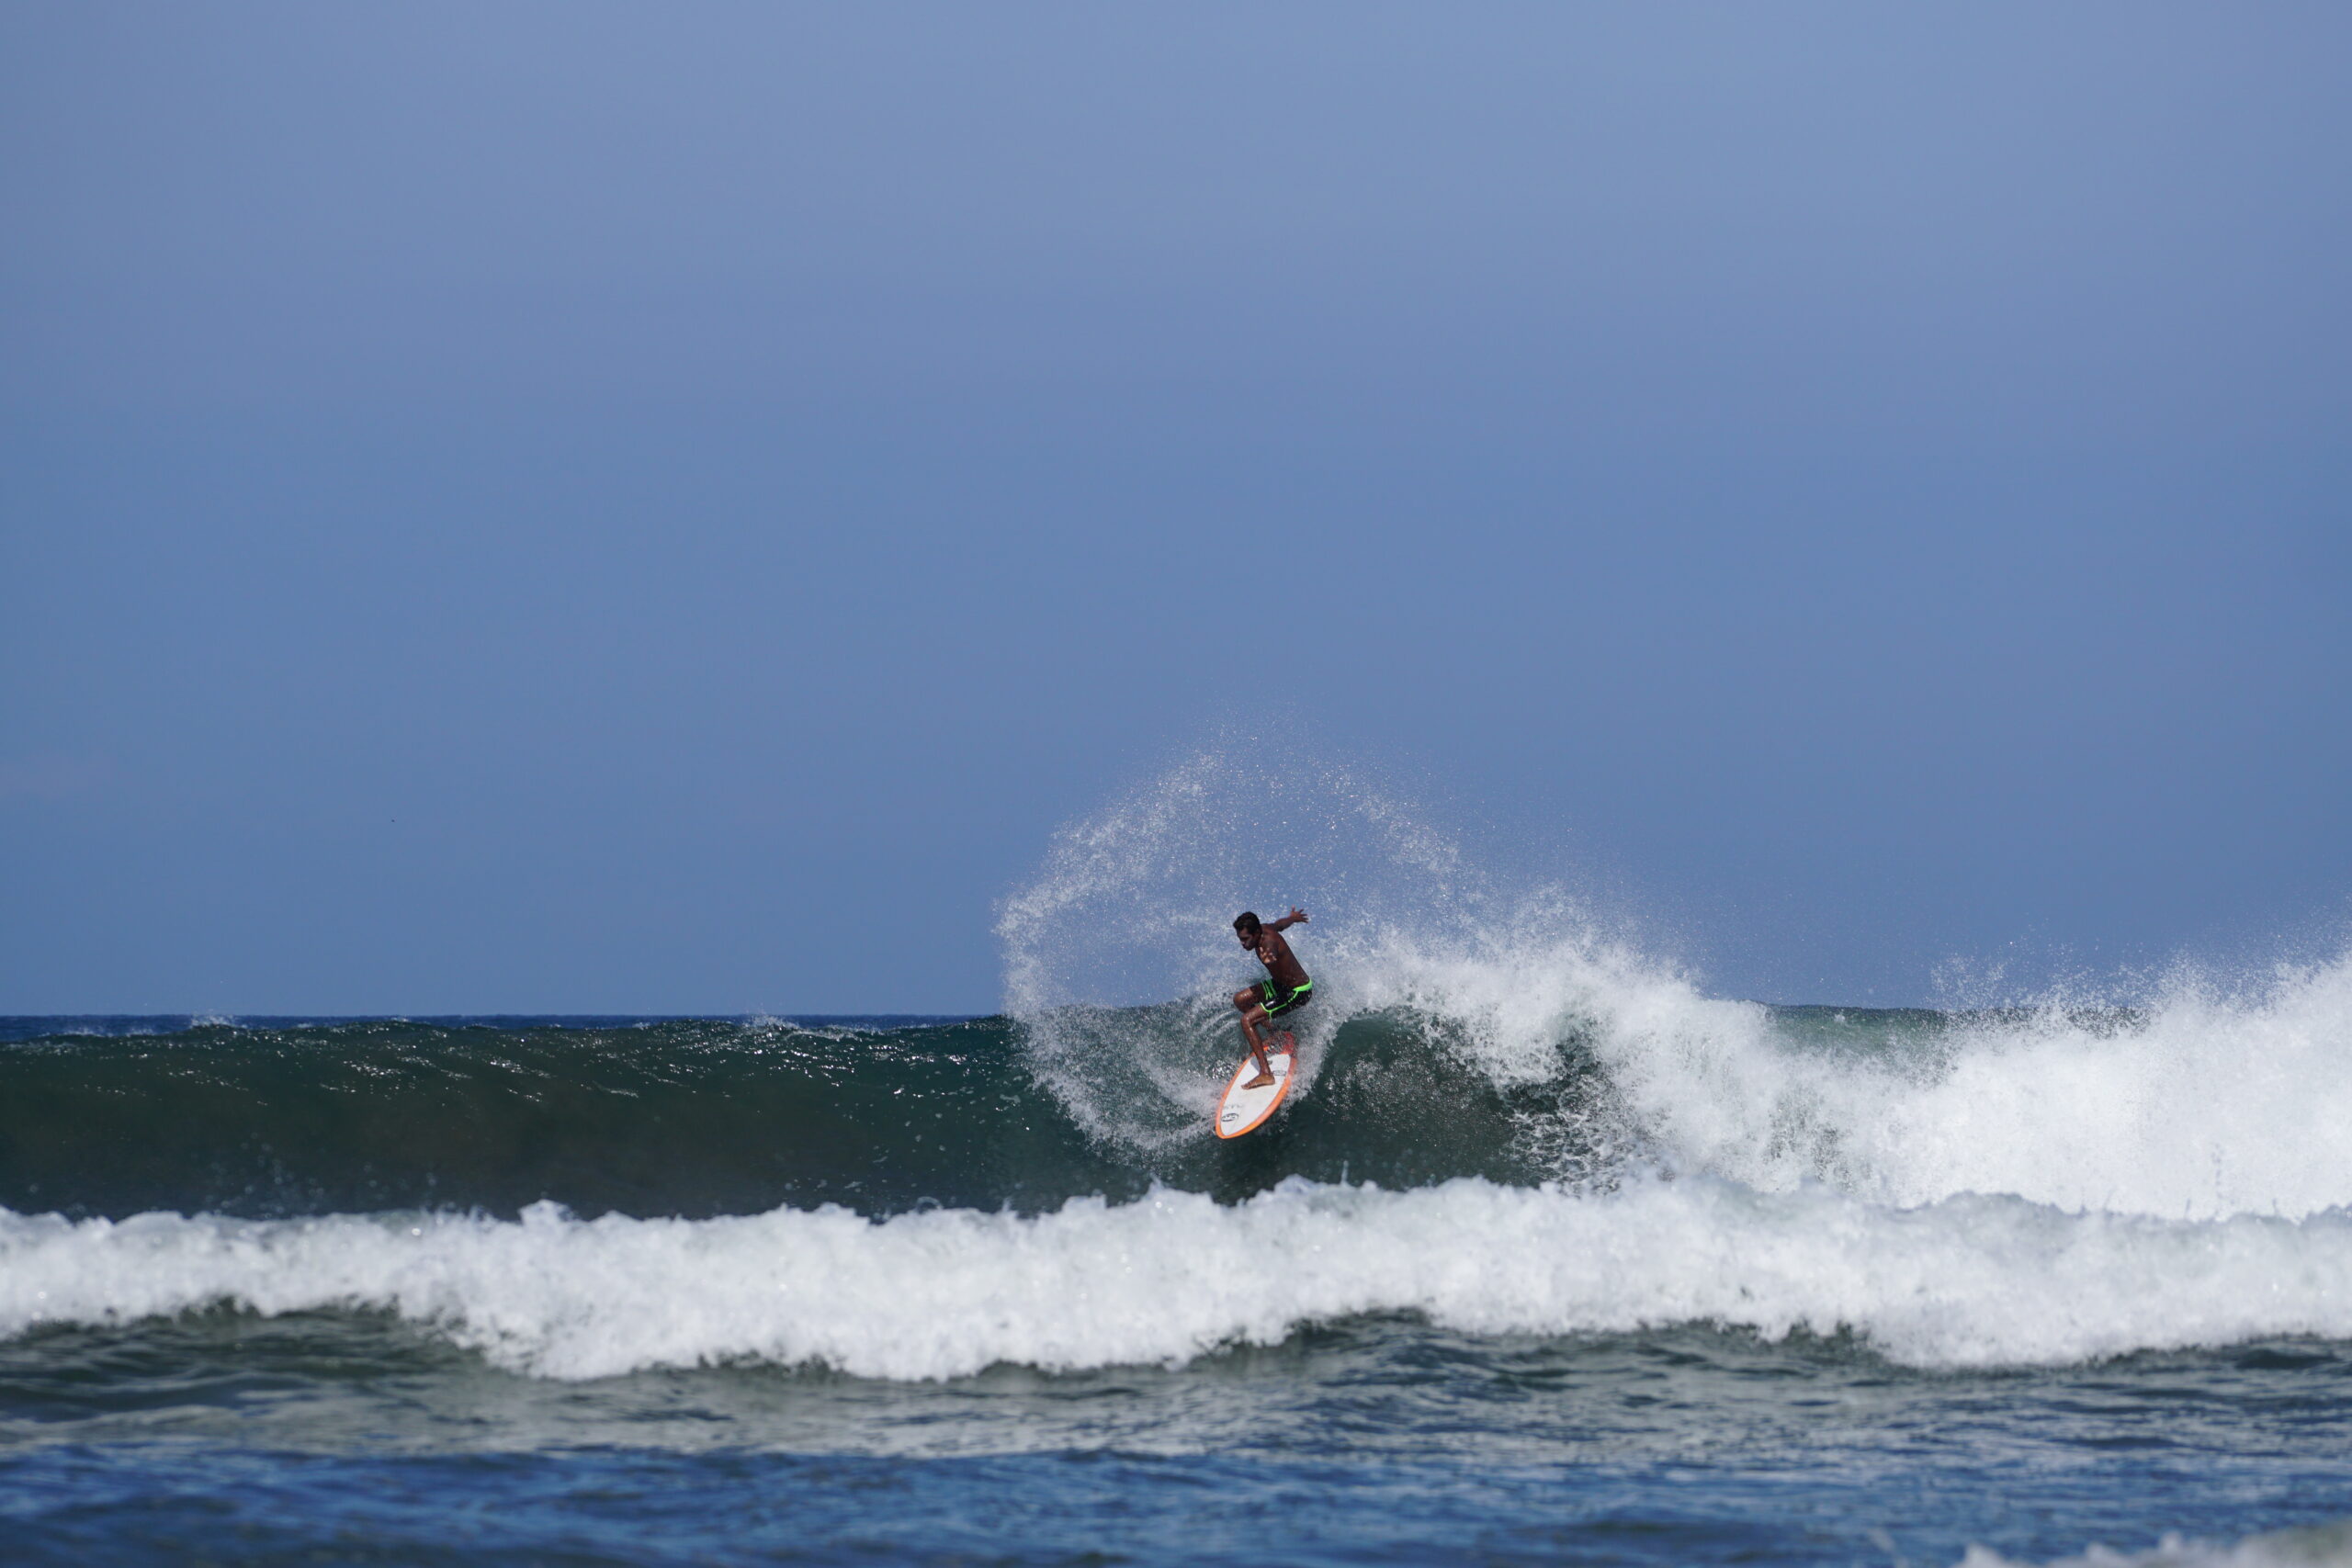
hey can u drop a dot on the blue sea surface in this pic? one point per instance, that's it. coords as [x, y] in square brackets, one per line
[555, 1291]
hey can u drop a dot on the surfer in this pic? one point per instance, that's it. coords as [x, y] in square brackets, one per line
[1285, 989]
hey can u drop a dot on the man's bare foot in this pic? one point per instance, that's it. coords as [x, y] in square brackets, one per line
[1261, 1081]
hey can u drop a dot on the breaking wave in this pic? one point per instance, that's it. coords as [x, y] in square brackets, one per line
[1966, 1283]
[2193, 1098]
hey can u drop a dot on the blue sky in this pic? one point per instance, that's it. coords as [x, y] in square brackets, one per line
[588, 508]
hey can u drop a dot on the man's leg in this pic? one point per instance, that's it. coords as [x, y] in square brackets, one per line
[1252, 1015]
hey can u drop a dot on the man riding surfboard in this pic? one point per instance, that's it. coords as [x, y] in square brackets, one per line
[1286, 988]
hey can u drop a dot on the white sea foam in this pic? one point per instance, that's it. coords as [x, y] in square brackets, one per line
[2204, 1101]
[1967, 1282]
[2199, 1104]
[2205, 1104]
[2322, 1546]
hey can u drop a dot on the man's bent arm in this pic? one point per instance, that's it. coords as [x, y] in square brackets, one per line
[1295, 917]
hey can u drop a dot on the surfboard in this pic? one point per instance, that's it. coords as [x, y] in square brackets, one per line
[1242, 1110]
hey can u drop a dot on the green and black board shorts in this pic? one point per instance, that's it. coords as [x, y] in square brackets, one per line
[1277, 1001]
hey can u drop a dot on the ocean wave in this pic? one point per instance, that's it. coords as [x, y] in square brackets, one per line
[943, 1293]
[2196, 1095]
[2196, 1100]
[1544, 1058]
[1456, 1031]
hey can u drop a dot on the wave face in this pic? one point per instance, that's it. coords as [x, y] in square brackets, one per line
[679, 1118]
[687, 1119]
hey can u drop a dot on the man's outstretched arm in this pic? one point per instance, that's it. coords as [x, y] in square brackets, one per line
[1296, 918]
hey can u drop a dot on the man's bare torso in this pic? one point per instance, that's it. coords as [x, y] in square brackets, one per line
[1280, 961]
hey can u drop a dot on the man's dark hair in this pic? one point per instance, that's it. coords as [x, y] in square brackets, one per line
[1246, 922]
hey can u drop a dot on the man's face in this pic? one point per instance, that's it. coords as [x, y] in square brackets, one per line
[1248, 938]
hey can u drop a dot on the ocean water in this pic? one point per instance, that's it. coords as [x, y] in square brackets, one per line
[1552, 1257]
[602, 1290]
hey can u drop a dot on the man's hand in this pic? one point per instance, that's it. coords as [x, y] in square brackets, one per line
[1297, 914]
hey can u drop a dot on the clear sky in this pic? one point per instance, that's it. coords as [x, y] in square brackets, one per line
[574, 507]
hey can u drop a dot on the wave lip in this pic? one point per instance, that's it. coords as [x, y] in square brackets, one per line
[1966, 1283]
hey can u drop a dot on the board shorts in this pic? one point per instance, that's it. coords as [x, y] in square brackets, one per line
[1277, 1001]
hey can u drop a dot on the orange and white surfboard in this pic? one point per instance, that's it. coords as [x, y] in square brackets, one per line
[1243, 1110]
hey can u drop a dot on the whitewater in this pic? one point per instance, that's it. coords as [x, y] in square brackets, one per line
[1964, 1282]
[1550, 1243]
